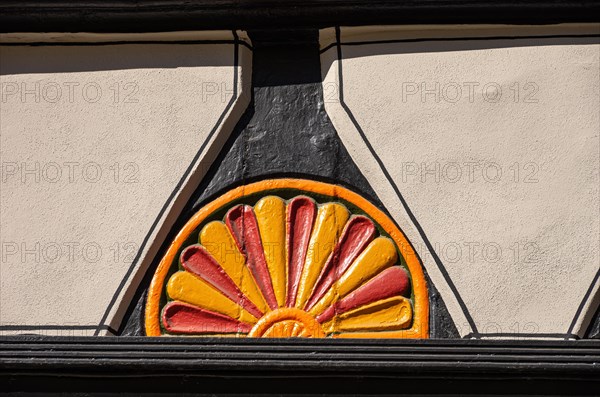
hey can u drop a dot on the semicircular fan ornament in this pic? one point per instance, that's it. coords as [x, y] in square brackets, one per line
[289, 258]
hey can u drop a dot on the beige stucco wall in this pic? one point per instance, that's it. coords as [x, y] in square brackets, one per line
[493, 143]
[95, 146]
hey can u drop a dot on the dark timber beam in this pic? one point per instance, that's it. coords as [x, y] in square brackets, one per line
[177, 15]
[302, 366]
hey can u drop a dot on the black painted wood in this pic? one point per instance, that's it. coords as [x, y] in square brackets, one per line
[251, 367]
[165, 15]
[594, 328]
[285, 131]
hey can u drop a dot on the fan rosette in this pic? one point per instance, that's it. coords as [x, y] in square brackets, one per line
[289, 258]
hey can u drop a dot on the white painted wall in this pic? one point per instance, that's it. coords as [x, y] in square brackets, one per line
[94, 140]
[494, 145]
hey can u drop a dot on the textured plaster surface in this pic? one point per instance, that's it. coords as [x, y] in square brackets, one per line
[504, 182]
[86, 171]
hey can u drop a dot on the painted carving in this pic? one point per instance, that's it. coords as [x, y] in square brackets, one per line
[289, 258]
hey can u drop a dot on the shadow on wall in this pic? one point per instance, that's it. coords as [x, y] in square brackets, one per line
[437, 45]
[19, 59]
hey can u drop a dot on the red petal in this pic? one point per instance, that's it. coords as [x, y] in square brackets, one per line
[197, 260]
[181, 318]
[301, 212]
[390, 282]
[357, 234]
[243, 226]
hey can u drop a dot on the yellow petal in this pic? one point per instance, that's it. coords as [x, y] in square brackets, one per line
[380, 254]
[217, 239]
[330, 221]
[185, 287]
[388, 314]
[270, 215]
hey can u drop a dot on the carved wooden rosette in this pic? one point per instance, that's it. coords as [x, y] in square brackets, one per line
[289, 258]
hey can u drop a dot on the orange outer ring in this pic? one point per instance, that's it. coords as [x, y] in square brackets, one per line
[420, 327]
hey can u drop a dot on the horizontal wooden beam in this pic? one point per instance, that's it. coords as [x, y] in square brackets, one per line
[29, 363]
[177, 15]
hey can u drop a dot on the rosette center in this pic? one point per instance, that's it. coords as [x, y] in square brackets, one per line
[287, 323]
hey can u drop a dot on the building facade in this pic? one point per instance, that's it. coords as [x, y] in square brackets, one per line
[325, 197]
